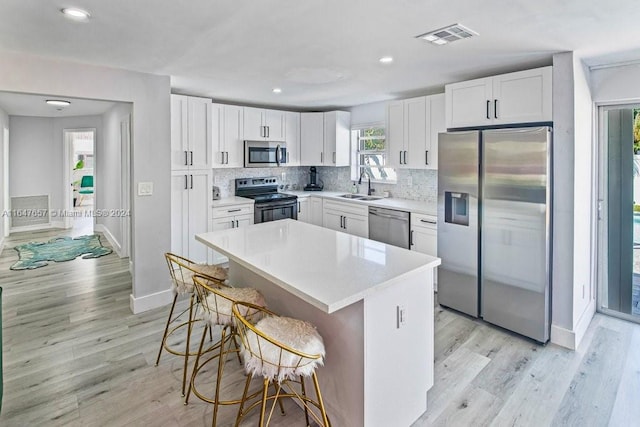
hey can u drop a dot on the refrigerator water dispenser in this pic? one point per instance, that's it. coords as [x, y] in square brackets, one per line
[456, 208]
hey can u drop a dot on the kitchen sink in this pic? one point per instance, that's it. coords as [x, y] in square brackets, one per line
[368, 198]
[353, 196]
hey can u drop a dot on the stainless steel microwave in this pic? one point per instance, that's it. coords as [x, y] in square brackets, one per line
[264, 154]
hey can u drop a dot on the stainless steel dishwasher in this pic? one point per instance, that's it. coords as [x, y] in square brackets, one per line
[389, 226]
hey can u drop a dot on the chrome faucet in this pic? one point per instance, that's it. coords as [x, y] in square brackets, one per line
[369, 189]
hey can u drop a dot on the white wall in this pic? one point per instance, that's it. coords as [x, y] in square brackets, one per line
[150, 158]
[366, 114]
[36, 156]
[4, 123]
[109, 171]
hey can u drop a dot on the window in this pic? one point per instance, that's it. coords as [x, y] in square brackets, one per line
[370, 155]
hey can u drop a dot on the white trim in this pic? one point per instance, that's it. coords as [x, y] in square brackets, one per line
[615, 65]
[572, 339]
[38, 227]
[563, 337]
[149, 302]
[101, 228]
[584, 322]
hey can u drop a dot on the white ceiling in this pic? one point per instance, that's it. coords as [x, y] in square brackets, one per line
[18, 104]
[322, 53]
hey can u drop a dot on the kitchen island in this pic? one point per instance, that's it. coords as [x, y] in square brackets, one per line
[371, 302]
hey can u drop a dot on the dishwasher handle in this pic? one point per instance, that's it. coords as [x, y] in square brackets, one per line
[388, 213]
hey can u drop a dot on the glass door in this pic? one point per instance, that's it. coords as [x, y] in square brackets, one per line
[619, 212]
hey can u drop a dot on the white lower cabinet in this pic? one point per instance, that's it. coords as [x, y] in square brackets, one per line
[315, 210]
[424, 237]
[346, 217]
[190, 195]
[304, 213]
[223, 218]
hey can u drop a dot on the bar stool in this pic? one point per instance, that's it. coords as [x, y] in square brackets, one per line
[216, 301]
[283, 351]
[182, 271]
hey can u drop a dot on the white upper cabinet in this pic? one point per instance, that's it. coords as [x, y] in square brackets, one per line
[337, 138]
[325, 138]
[264, 125]
[412, 131]
[311, 139]
[190, 132]
[228, 139]
[521, 97]
[292, 138]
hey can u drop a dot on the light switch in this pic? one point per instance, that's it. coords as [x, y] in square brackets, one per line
[145, 188]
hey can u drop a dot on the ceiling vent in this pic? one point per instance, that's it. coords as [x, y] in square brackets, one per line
[448, 34]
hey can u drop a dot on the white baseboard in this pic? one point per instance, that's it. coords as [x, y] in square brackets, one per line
[100, 228]
[51, 225]
[572, 339]
[149, 302]
[563, 337]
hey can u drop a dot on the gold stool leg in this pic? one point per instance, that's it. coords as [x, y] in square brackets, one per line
[304, 395]
[166, 328]
[186, 353]
[265, 390]
[247, 383]
[195, 366]
[323, 411]
[221, 360]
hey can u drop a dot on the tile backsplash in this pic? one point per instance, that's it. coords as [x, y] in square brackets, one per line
[424, 185]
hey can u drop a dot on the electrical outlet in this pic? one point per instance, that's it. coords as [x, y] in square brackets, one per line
[216, 180]
[401, 316]
[283, 176]
[409, 181]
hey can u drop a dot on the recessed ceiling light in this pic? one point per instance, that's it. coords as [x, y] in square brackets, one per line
[75, 13]
[386, 59]
[277, 90]
[448, 34]
[58, 102]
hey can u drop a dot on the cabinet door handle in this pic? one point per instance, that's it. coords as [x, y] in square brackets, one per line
[267, 127]
[345, 222]
[237, 224]
[488, 104]
[186, 158]
[226, 157]
[298, 207]
[321, 157]
[334, 157]
[186, 182]
[191, 163]
[233, 224]
[428, 222]
[411, 238]
[495, 108]
[400, 157]
[426, 157]
[234, 210]
[341, 221]
[192, 182]
[405, 157]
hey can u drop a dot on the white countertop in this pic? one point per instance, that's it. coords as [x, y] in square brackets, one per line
[325, 268]
[414, 206]
[230, 201]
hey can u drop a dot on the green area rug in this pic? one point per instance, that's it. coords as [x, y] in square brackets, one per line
[36, 254]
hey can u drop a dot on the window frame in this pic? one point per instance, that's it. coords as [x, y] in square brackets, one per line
[356, 153]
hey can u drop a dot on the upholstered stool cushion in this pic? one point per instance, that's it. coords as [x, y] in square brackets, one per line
[184, 276]
[217, 309]
[271, 361]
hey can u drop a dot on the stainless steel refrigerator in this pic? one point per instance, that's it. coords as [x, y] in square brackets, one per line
[494, 226]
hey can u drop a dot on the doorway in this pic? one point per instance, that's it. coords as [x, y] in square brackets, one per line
[79, 179]
[619, 211]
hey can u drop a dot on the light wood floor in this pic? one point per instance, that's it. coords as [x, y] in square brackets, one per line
[74, 355]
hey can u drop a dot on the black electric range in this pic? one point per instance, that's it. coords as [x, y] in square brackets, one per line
[270, 205]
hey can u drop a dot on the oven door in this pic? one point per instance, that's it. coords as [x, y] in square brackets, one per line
[275, 211]
[260, 154]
